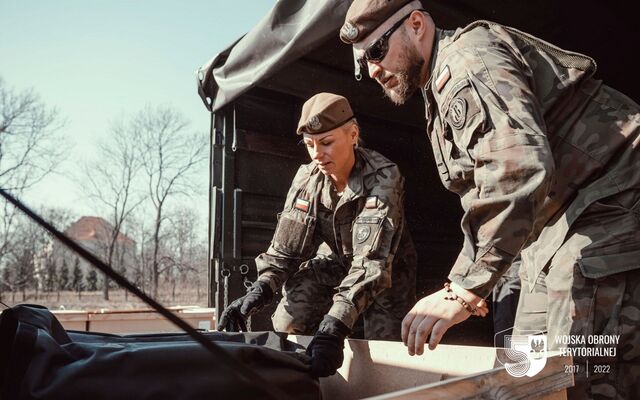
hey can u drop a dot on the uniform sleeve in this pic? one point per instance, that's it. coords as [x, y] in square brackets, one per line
[293, 241]
[376, 234]
[493, 115]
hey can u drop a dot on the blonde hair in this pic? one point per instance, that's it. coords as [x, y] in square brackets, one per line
[353, 122]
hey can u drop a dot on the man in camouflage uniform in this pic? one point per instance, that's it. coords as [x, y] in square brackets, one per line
[545, 159]
[338, 255]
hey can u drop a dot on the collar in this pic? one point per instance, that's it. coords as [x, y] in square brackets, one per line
[440, 40]
[326, 196]
[355, 186]
[367, 162]
[435, 47]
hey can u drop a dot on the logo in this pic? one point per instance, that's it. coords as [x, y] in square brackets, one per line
[314, 123]
[523, 354]
[363, 233]
[458, 112]
[349, 31]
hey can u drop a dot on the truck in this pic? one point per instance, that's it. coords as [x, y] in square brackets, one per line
[255, 88]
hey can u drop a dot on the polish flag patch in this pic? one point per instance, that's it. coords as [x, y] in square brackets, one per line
[372, 202]
[443, 78]
[302, 205]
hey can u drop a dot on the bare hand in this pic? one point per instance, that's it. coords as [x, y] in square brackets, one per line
[431, 317]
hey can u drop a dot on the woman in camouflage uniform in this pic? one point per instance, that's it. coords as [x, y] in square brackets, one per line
[341, 248]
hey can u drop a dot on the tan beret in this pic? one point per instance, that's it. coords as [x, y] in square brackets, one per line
[364, 16]
[324, 112]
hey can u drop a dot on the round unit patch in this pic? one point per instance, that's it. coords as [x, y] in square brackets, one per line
[458, 112]
[363, 233]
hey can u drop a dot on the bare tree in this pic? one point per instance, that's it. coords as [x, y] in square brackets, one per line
[22, 259]
[30, 149]
[182, 250]
[6, 278]
[169, 156]
[110, 183]
[31, 262]
[139, 230]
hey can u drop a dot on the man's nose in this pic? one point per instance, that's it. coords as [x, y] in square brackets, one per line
[374, 69]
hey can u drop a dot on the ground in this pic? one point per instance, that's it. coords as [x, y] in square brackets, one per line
[91, 301]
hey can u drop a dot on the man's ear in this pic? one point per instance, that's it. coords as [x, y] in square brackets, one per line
[417, 23]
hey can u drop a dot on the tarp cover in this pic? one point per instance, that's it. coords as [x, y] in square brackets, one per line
[293, 29]
[40, 360]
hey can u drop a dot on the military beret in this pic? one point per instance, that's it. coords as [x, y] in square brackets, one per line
[364, 16]
[324, 112]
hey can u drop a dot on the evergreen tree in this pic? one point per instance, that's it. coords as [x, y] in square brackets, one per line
[77, 282]
[92, 280]
[63, 276]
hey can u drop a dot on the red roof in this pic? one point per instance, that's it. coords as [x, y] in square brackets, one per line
[88, 228]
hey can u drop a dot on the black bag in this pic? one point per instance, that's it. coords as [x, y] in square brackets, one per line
[40, 360]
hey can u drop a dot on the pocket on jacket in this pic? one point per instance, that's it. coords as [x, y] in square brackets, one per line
[293, 234]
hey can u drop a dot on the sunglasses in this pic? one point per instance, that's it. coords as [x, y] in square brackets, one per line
[378, 50]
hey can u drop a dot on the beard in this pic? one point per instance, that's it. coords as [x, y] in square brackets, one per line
[408, 78]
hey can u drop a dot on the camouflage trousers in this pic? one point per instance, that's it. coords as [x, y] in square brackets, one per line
[307, 296]
[576, 297]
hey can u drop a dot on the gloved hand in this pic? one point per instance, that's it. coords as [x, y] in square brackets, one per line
[234, 317]
[326, 347]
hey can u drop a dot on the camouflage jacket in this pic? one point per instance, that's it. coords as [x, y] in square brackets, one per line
[364, 229]
[527, 138]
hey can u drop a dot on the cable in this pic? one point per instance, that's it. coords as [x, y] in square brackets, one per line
[245, 373]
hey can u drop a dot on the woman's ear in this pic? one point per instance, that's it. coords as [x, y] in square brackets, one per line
[355, 134]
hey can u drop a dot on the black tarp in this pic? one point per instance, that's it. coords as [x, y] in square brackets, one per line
[606, 31]
[40, 360]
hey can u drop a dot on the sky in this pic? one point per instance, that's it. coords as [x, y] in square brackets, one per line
[97, 61]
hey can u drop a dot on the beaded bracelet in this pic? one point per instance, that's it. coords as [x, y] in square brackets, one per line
[452, 296]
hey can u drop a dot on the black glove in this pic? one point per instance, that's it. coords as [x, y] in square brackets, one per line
[326, 347]
[234, 317]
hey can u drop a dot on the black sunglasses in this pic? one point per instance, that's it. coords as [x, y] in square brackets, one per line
[378, 50]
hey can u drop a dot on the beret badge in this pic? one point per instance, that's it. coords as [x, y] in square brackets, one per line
[349, 31]
[314, 123]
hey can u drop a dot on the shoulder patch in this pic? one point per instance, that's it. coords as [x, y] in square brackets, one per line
[458, 112]
[443, 78]
[362, 233]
